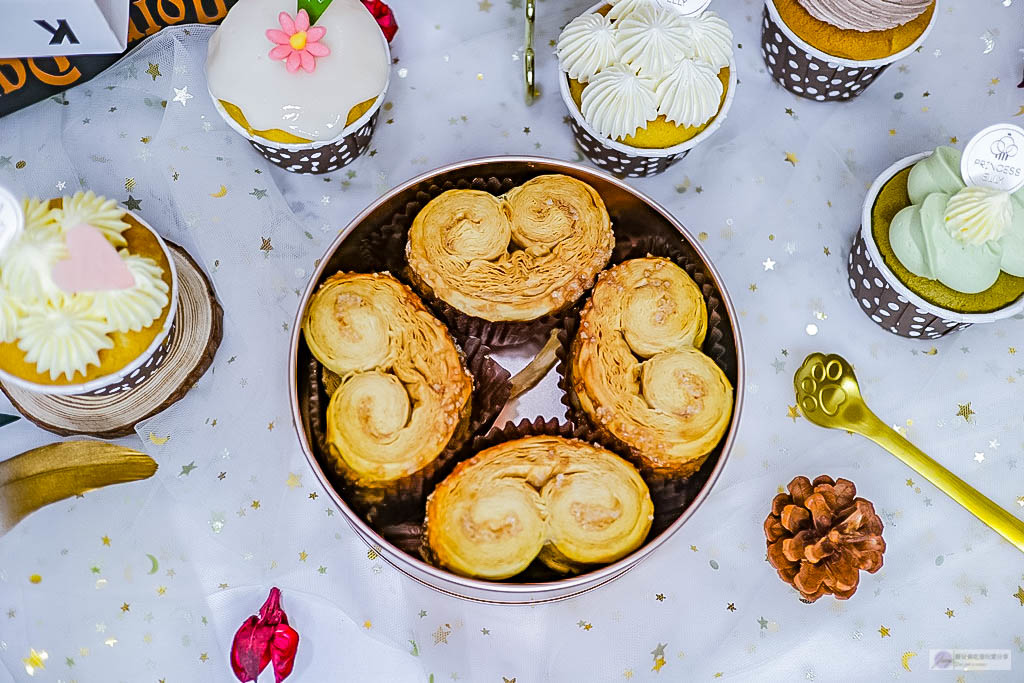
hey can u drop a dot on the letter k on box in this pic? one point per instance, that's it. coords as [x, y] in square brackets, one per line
[30, 28]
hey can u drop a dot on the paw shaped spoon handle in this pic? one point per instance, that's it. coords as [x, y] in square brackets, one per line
[828, 395]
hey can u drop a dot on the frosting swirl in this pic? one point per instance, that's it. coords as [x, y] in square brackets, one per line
[710, 39]
[63, 336]
[866, 15]
[9, 315]
[99, 212]
[26, 263]
[587, 45]
[652, 39]
[134, 309]
[961, 236]
[618, 101]
[689, 94]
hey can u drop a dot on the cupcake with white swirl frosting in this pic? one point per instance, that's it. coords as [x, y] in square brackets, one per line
[66, 327]
[644, 83]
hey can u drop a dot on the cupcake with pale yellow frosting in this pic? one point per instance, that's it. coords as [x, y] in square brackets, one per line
[56, 337]
[645, 83]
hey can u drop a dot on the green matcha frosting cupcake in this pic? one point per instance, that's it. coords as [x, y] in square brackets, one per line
[957, 247]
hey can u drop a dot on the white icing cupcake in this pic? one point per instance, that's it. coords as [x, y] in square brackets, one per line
[63, 336]
[290, 82]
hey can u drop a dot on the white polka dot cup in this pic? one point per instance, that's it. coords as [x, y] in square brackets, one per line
[886, 300]
[806, 71]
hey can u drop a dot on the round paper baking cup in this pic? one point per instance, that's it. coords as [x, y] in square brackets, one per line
[889, 302]
[806, 71]
[319, 156]
[135, 373]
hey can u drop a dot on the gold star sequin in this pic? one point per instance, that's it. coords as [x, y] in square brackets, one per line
[964, 411]
[883, 632]
[658, 663]
[302, 556]
[266, 245]
[255, 505]
[161, 590]
[367, 624]
[660, 597]
[35, 661]
[204, 657]
[731, 607]
[441, 635]
[125, 607]
[293, 481]
[484, 5]
[1020, 595]
[791, 158]
[950, 613]
[154, 70]
[792, 412]
[105, 540]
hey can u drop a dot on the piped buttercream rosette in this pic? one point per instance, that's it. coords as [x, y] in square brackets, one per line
[637, 372]
[569, 504]
[514, 258]
[403, 393]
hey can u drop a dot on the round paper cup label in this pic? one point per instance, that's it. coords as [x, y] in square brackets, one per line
[12, 219]
[995, 158]
[686, 7]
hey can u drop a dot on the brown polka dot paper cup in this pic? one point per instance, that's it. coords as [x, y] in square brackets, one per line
[886, 300]
[310, 158]
[634, 162]
[808, 72]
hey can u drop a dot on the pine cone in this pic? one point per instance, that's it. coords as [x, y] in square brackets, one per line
[820, 537]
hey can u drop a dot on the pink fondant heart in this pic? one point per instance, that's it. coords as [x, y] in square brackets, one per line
[92, 264]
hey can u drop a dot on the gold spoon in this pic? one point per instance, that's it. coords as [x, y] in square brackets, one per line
[829, 396]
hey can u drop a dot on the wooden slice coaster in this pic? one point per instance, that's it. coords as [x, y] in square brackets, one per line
[198, 328]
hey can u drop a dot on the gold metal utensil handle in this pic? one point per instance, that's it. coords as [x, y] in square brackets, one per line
[829, 396]
[1008, 526]
[529, 56]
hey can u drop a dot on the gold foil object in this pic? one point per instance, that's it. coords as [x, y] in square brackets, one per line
[529, 56]
[829, 396]
[51, 473]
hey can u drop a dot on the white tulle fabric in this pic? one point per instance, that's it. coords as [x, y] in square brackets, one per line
[360, 620]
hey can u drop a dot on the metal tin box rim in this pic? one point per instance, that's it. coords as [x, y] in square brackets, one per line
[440, 579]
[114, 377]
[851, 63]
[893, 281]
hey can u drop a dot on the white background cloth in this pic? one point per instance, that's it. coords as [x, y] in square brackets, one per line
[218, 543]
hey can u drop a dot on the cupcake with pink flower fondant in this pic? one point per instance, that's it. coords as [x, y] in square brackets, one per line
[305, 91]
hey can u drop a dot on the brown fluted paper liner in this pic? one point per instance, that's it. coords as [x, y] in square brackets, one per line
[671, 494]
[391, 510]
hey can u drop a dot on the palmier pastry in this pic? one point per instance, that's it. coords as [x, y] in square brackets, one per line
[637, 372]
[515, 258]
[566, 502]
[403, 394]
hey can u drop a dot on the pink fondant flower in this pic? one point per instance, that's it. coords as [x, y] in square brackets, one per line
[297, 42]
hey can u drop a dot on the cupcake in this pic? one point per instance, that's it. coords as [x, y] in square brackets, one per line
[502, 268]
[934, 254]
[305, 96]
[644, 84]
[87, 298]
[829, 50]
[569, 504]
[637, 373]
